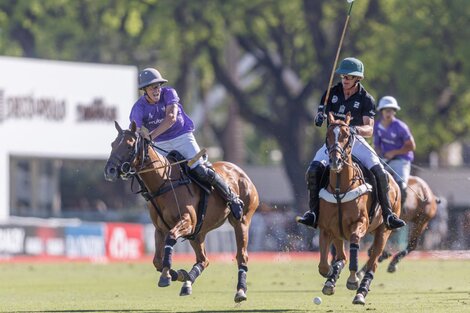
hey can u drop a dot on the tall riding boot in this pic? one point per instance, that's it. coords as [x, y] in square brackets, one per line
[390, 219]
[313, 176]
[208, 175]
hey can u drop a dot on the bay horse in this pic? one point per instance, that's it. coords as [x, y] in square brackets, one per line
[344, 213]
[173, 200]
[420, 207]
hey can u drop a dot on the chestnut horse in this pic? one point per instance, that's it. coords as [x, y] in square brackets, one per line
[420, 208]
[344, 213]
[173, 201]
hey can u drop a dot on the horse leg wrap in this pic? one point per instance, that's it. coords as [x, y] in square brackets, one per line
[365, 283]
[195, 272]
[242, 269]
[353, 249]
[169, 243]
[337, 268]
[174, 275]
[400, 255]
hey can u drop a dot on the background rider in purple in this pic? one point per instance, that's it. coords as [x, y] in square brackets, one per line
[394, 142]
[159, 110]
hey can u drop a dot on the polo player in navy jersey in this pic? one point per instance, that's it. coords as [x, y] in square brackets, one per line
[349, 96]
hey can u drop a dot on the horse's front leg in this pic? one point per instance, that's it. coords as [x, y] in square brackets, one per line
[380, 239]
[353, 281]
[324, 267]
[241, 237]
[158, 256]
[201, 263]
[335, 269]
[182, 228]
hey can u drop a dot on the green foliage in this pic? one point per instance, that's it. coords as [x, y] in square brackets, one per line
[417, 52]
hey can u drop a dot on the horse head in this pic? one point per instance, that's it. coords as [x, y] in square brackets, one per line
[124, 155]
[339, 142]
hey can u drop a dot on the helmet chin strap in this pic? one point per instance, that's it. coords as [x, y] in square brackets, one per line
[146, 95]
[353, 86]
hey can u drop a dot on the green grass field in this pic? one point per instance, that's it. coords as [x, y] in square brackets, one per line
[417, 286]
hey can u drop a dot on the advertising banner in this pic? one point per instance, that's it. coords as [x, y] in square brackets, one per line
[124, 241]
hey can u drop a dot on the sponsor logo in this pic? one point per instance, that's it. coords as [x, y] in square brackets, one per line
[11, 240]
[97, 110]
[29, 106]
[341, 109]
[125, 241]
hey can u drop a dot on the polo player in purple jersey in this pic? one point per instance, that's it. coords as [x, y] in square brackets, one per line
[394, 142]
[159, 109]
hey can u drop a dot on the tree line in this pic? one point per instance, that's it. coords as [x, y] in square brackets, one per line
[273, 59]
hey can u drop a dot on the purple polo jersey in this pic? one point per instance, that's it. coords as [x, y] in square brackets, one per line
[152, 115]
[393, 137]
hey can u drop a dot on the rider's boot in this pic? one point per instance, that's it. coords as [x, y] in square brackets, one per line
[313, 176]
[391, 220]
[208, 175]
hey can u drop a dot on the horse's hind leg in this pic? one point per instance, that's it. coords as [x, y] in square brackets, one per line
[201, 263]
[416, 230]
[241, 237]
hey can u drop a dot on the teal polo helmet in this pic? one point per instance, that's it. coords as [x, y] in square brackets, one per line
[351, 66]
[150, 76]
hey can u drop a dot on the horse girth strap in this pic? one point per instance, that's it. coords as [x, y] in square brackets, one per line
[201, 213]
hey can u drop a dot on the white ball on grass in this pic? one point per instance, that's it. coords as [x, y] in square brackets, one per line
[349, 1]
[317, 300]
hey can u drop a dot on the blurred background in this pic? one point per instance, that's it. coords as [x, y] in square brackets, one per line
[250, 74]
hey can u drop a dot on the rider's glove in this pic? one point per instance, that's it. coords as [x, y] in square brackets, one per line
[319, 118]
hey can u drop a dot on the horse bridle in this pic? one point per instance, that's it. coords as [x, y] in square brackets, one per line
[336, 147]
[126, 169]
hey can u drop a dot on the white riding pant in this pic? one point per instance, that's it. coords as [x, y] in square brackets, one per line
[360, 149]
[185, 144]
[400, 170]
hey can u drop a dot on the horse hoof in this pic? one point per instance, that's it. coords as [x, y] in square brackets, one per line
[352, 285]
[187, 288]
[240, 296]
[359, 299]
[183, 276]
[164, 281]
[328, 289]
[392, 268]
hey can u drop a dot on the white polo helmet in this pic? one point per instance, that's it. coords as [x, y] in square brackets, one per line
[388, 102]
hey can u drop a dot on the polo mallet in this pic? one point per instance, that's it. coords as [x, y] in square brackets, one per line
[337, 55]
